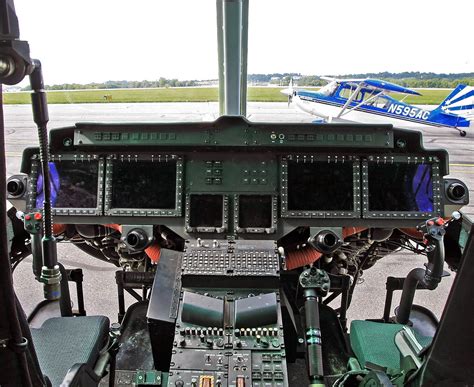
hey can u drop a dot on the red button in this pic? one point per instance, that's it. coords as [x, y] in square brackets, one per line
[440, 221]
[27, 217]
[38, 216]
[430, 222]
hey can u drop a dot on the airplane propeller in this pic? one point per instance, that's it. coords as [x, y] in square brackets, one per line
[289, 92]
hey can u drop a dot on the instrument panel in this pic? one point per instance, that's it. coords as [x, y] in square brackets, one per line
[303, 178]
[239, 178]
[149, 185]
[76, 185]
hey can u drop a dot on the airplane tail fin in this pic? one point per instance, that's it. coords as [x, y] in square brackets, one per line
[460, 102]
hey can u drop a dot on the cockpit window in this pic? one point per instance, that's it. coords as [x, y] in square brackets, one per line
[346, 92]
[329, 89]
[381, 102]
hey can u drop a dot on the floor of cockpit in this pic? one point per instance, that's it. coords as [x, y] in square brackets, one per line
[135, 350]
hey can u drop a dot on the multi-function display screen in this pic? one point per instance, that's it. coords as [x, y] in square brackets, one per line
[206, 211]
[400, 187]
[320, 186]
[144, 184]
[74, 184]
[255, 211]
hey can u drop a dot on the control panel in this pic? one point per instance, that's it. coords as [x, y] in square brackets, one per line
[205, 261]
[233, 177]
[221, 307]
[242, 346]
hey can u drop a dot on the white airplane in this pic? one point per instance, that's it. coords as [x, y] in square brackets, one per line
[368, 101]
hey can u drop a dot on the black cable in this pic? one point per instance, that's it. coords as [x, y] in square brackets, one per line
[358, 273]
[406, 247]
[44, 159]
[369, 253]
[41, 118]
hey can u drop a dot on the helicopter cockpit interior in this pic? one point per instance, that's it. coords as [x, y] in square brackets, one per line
[241, 242]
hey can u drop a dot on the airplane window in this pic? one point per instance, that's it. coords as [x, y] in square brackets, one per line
[329, 89]
[381, 102]
[346, 92]
[368, 97]
[361, 96]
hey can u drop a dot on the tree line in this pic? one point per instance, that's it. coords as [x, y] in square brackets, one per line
[407, 79]
[161, 82]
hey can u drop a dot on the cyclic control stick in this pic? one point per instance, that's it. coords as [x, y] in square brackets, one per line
[433, 231]
[315, 282]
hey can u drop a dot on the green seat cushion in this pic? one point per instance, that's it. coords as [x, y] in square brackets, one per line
[375, 343]
[62, 342]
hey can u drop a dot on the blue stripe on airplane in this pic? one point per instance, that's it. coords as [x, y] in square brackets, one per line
[462, 97]
[464, 107]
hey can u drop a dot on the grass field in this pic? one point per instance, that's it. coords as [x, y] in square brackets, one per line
[189, 94]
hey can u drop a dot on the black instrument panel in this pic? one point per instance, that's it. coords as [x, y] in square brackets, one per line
[320, 186]
[149, 185]
[76, 184]
[290, 186]
[400, 186]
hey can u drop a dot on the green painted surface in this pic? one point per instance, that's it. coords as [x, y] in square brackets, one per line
[256, 174]
[375, 343]
[149, 378]
[236, 135]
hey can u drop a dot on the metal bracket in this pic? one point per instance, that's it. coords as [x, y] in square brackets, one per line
[408, 345]
[315, 279]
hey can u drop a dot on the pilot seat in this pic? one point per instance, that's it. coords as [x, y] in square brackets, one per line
[67, 346]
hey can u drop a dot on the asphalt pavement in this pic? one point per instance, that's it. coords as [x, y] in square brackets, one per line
[99, 285]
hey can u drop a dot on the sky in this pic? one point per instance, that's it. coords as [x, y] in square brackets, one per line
[82, 41]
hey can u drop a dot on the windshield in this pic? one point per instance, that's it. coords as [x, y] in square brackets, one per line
[108, 53]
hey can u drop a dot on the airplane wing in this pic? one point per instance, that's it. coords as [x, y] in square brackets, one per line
[375, 84]
[389, 86]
